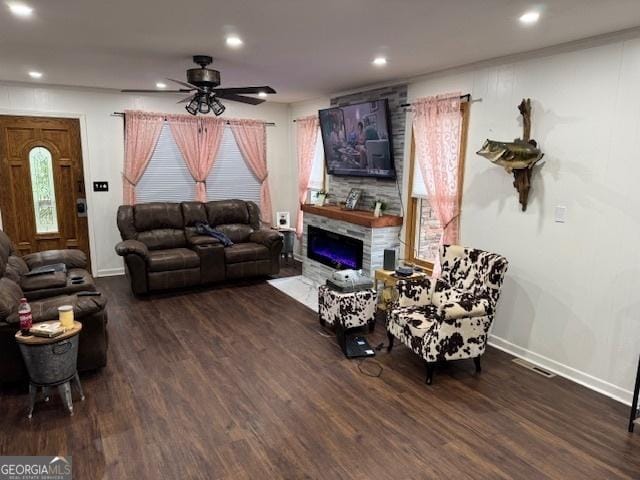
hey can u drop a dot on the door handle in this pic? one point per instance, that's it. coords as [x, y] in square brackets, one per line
[81, 207]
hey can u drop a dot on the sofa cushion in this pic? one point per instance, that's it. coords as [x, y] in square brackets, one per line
[6, 247]
[223, 212]
[158, 215]
[236, 232]
[193, 212]
[10, 295]
[163, 238]
[415, 320]
[44, 280]
[246, 252]
[47, 308]
[172, 259]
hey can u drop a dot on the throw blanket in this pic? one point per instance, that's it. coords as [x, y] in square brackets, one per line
[206, 229]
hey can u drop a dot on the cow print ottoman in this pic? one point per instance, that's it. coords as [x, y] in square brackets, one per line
[351, 310]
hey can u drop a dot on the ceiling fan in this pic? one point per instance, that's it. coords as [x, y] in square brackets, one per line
[204, 96]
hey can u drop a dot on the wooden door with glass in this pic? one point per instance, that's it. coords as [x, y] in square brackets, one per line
[42, 194]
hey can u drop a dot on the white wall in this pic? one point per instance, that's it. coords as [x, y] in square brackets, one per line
[570, 300]
[103, 147]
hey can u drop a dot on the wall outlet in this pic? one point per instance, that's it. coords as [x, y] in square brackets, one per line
[100, 186]
[560, 214]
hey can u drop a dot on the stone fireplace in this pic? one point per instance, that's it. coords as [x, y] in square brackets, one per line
[333, 239]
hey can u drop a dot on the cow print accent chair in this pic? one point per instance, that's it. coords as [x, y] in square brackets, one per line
[448, 318]
[347, 310]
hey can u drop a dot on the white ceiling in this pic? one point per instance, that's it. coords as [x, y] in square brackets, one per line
[302, 48]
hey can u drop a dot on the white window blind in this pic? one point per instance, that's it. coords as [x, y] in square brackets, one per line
[418, 190]
[317, 171]
[166, 178]
[230, 176]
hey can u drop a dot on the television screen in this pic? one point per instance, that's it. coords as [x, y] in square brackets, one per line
[357, 140]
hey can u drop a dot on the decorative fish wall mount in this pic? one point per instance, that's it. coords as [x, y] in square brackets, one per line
[517, 157]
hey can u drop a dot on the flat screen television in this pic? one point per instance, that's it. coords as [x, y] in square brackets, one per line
[357, 140]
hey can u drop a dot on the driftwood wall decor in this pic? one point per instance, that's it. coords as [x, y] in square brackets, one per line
[517, 157]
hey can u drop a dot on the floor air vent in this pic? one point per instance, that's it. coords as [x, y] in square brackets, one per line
[533, 368]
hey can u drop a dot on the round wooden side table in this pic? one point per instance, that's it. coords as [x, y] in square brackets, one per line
[52, 362]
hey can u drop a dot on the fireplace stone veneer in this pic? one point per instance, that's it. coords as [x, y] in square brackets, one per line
[374, 241]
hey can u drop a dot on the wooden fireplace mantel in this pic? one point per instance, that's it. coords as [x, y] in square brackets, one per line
[358, 217]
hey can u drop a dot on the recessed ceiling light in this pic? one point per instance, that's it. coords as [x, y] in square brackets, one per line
[161, 85]
[530, 18]
[379, 61]
[20, 9]
[234, 41]
[262, 94]
[35, 74]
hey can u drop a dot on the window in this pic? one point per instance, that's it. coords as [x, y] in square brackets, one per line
[167, 178]
[316, 181]
[43, 190]
[424, 230]
[230, 176]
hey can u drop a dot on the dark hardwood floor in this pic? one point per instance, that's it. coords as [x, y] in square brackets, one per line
[239, 382]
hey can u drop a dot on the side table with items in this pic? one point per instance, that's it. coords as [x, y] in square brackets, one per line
[52, 362]
[386, 281]
[288, 238]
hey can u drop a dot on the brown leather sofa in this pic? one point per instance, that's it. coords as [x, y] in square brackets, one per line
[44, 301]
[162, 249]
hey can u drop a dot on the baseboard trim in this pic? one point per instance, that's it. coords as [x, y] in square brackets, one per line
[610, 390]
[110, 272]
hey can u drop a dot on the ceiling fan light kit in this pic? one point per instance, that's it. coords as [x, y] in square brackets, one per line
[202, 85]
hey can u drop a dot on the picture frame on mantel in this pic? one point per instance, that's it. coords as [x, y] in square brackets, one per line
[353, 198]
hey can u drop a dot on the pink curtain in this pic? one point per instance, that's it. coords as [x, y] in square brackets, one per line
[437, 127]
[251, 137]
[141, 135]
[306, 137]
[198, 139]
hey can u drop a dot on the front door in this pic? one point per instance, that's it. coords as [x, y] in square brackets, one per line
[42, 195]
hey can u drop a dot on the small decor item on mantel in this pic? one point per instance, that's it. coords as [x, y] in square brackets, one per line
[352, 199]
[378, 208]
[517, 157]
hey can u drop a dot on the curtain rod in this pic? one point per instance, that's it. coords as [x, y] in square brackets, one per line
[464, 98]
[121, 114]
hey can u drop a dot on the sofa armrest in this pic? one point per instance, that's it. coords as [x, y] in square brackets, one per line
[268, 238]
[71, 258]
[196, 240]
[453, 303]
[414, 292]
[132, 247]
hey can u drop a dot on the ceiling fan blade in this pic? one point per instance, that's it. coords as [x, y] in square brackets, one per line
[185, 84]
[240, 98]
[186, 99]
[154, 91]
[265, 89]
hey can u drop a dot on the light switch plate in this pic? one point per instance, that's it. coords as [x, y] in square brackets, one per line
[100, 186]
[560, 214]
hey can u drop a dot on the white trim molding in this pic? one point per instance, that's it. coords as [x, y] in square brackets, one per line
[110, 272]
[570, 373]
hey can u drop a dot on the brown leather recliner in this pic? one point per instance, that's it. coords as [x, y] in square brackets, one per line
[90, 311]
[162, 249]
[39, 274]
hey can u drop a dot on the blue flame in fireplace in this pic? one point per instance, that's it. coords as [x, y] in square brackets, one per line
[338, 258]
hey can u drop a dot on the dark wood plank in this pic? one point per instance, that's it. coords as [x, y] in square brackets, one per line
[240, 382]
[358, 217]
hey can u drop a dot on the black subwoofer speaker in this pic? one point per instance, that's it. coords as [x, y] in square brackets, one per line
[389, 262]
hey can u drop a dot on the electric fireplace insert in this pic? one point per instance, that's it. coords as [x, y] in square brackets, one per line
[333, 249]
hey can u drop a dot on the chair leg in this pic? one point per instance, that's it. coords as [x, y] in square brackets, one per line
[430, 368]
[390, 337]
[476, 360]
